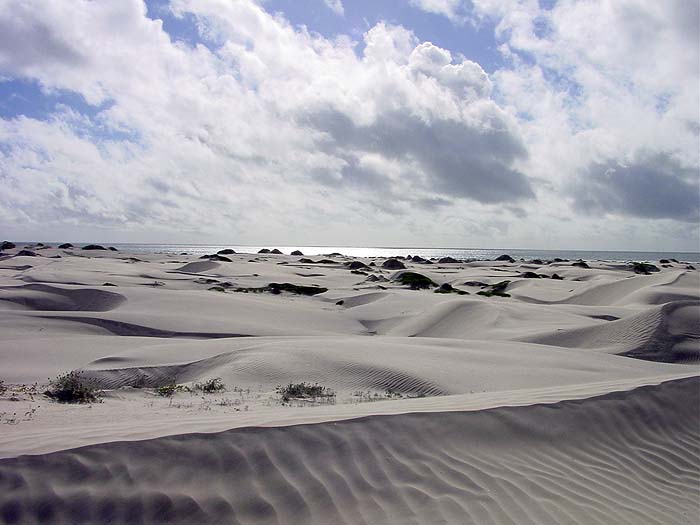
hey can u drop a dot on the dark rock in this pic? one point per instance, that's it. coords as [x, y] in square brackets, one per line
[226, 251]
[393, 264]
[93, 247]
[357, 265]
[65, 246]
[505, 257]
[7, 245]
[580, 264]
[264, 250]
[296, 253]
[27, 253]
[276, 251]
[448, 260]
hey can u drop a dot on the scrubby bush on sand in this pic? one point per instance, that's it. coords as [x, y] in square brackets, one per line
[498, 289]
[304, 390]
[415, 280]
[209, 386]
[72, 387]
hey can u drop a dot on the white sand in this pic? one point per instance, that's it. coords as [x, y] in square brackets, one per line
[573, 400]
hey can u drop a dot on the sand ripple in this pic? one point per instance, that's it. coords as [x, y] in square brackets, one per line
[628, 457]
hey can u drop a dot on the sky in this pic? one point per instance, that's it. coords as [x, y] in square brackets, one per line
[550, 124]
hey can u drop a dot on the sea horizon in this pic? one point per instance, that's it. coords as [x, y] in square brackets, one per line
[403, 251]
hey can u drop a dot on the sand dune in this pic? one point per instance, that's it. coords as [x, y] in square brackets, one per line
[565, 401]
[536, 464]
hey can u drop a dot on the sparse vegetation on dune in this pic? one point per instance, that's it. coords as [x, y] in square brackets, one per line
[304, 391]
[415, 280]
[72, 387]
[498, 289]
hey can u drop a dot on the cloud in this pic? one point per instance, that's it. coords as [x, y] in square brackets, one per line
[653, 186]
[454, 10]
[230, 137]
[336, 6]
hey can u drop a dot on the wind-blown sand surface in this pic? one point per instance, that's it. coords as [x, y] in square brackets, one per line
[570, 401]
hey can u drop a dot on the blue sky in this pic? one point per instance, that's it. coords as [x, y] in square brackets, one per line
[550, 124]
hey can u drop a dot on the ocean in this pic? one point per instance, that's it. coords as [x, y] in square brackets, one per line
[380, 251]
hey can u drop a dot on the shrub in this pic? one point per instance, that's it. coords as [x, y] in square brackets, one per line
[643, 268]
[498, 289]
[167, 390]
[210, 386]
[304, 390]
[3, 387]
[415, 280]
[71, 387]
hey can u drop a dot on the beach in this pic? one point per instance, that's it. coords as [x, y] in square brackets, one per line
[448, 391]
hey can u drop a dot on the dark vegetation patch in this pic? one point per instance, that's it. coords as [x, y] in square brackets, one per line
[27, 253]
[643, 268]
[215, 257]
[498, 290]
[393, 264]
[448, 260]
[226, 251]
[304, 391]
[448, 288]
[475, 283]
[93, 247]
[557, 277]
[72, 387]
[415, 280]
[357, 265]
[580, 264]
[7, 245]
[505, 257]
[264, 250]
[278, 288]
[530, 275]
[65, 246]
[297, 253]
[276, 251]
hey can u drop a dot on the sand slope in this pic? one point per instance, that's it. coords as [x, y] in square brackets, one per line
[566, 401]
[628, 457]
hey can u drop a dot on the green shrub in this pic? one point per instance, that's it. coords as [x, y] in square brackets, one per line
[71, 387]
[304, 391]
[415, 280]
[168, 390]
[498, 289]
